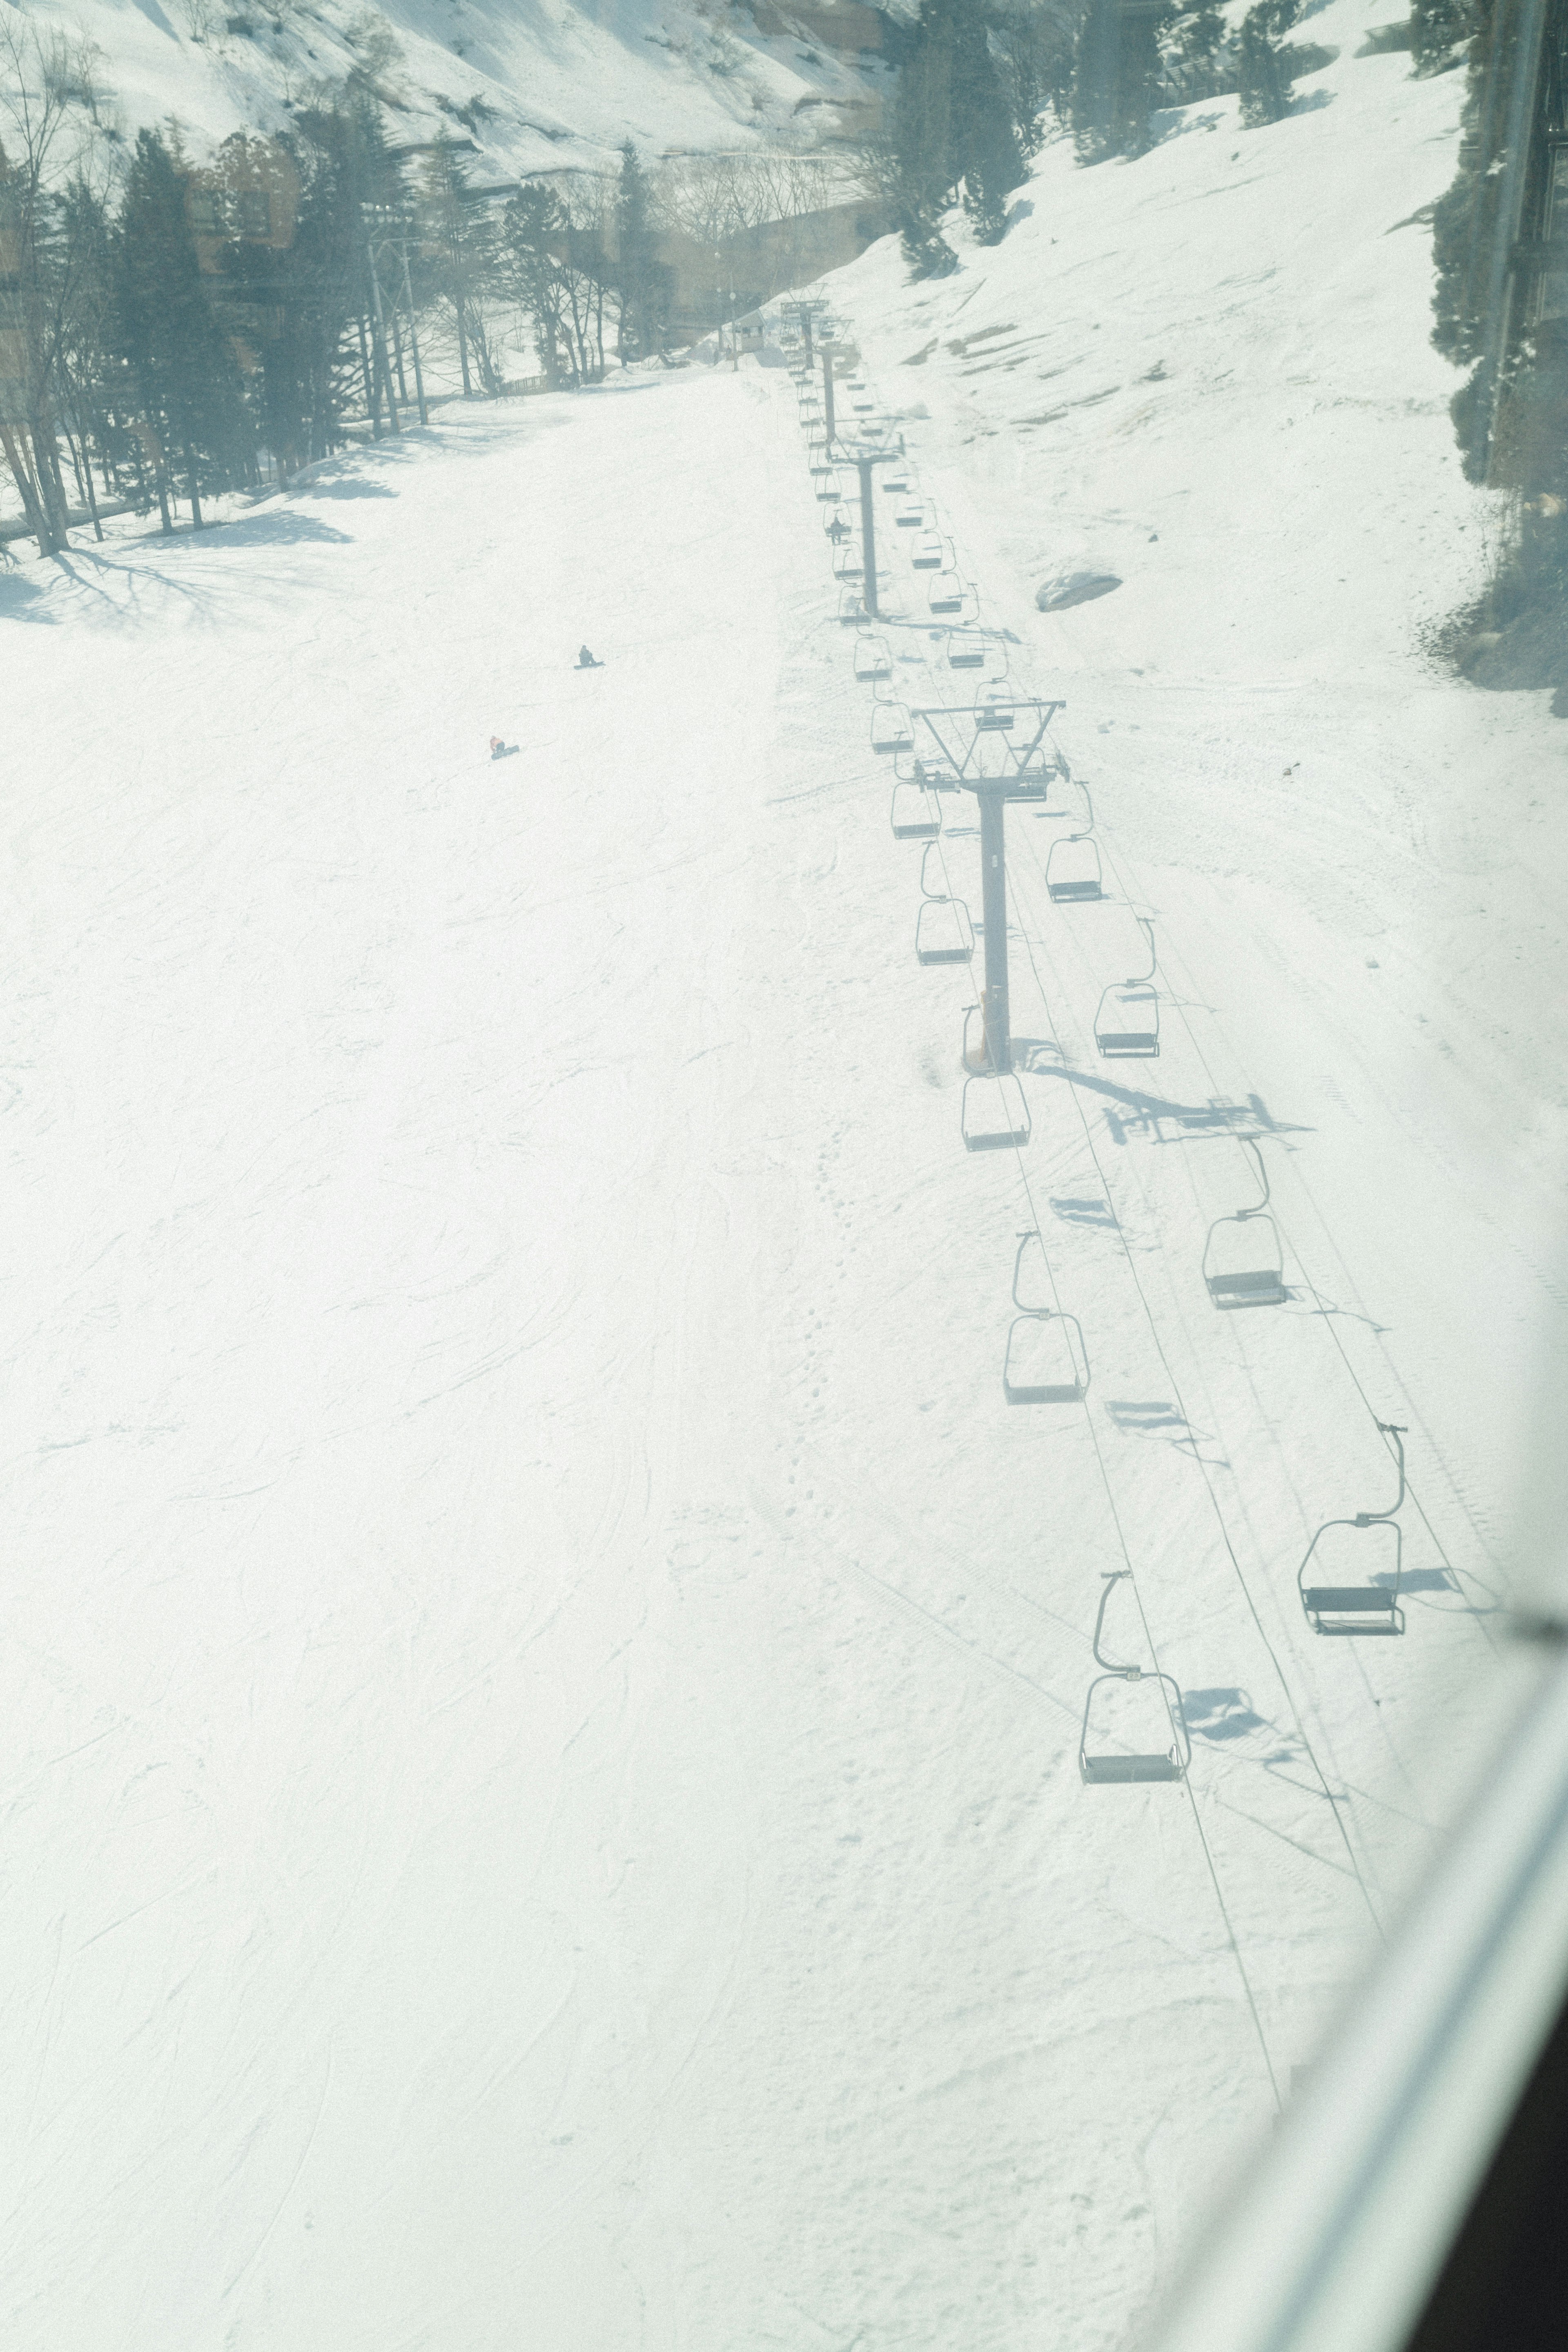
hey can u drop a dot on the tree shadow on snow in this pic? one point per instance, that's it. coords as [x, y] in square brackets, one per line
[20, 601]
[352, 489]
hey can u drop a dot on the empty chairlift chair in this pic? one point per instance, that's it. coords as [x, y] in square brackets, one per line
[1363, 1608]
[928, 553]
[849, 563]
[947, 594]
[1072, 869]
[872, 659]
[965, 652]
[1244, 1258]
[892, 728]
[1157, 1711]
[910, 515]
[1047, 1362]
[1127, 1025]
[944, 932]
[994, 1114]
[916, 812]
[994, 711]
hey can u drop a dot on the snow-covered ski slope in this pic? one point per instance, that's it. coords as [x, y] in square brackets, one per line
[560, 83]
[544, 1678]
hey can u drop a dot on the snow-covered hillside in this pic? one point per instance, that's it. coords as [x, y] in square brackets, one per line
[559, 84]
[544, 1678]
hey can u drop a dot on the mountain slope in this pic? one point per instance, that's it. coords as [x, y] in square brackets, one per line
[560, 83]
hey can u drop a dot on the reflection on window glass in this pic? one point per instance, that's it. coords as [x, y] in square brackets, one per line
[784, 1153]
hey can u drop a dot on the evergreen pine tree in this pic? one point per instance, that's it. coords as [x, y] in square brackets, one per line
[641, 282]
[1193, 49]
[1439, 29]
[1116, 77]
[460, 254]
[189, 385]
[1263, 70]
[954, 127]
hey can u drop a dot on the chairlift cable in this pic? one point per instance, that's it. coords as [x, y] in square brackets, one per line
[1203, 1472]
[1329, 1320]
[1131, 1573]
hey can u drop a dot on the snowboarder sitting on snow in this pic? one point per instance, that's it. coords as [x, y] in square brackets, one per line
[585, 660]
[499, 751]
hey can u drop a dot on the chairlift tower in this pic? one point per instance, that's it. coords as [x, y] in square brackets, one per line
[388, 225]
[866, 457]
[997, 751]
[803, 310]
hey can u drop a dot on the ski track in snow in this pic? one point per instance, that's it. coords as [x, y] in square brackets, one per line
[544, 1678]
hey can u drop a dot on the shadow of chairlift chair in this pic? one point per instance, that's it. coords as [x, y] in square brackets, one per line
[916, 812]
[1047, 1362]
[944, 932]
[1244, 1258]
[994, 1114]
[1127, 1025]
[872, 660]
[1360, 1608]
[1106, 1766]
[1072, 869]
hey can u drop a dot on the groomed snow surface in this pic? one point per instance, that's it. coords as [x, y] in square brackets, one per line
[543, 1674]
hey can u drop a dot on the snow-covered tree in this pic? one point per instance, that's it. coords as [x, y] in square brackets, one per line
[1263, 68]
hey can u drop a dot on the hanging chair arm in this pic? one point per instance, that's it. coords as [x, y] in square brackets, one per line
[1257, 1208]
[1128, 1674]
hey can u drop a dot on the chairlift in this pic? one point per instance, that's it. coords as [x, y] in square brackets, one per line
[849, 563]
[944, 932]
[910, 516]
[851, 606]
[946, 592]
[995, 1113]
[916, 812]
[1362, 1607]
[819, 458]
[1047, 1362]
[928, 553]
[892, 728]
[831, 486]
[899, 480]
[872, 659]
[994, 711]
[1244, 1258]
[964, 652]
[1072, 869]
[1127, 1025]
[1105, 1766]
